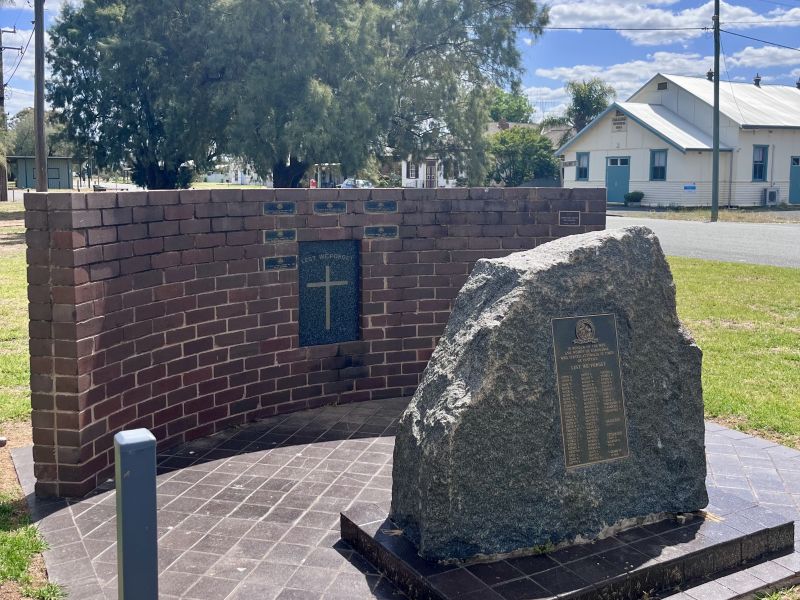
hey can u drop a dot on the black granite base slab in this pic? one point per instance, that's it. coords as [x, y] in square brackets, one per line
[672, 554]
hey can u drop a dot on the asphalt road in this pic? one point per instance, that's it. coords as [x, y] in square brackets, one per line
[758, 243]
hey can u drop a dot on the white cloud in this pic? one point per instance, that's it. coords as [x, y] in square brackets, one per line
[546, 100]
[11, 57]
[654, 14]
[763, 57]
[17, 99]
[626, 77]
[629, 76]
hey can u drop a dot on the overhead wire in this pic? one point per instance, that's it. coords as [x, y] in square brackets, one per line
[776, 3]
[730, 83]
[621, 28]
[755, 39]
[19, 62]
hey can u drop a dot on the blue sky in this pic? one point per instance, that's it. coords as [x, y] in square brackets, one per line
[626, 59]
[19, 93]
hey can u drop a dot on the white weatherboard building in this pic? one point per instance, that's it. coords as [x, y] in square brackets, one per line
[428, 173]
[660, 142]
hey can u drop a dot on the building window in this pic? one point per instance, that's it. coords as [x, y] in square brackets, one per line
[412, 170]
[760, 156]
[658, 165]
[582, 166]
[662, 85]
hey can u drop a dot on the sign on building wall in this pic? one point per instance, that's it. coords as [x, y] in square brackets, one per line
[619, 123]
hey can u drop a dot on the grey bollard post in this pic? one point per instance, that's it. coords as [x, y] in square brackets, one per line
[137, 535]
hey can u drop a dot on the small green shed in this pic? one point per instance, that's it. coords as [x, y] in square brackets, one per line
[22, 170]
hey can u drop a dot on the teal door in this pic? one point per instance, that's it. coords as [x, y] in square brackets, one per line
[794, 181]
[618, 177]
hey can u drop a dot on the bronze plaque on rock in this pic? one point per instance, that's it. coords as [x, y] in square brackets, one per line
[593, 423]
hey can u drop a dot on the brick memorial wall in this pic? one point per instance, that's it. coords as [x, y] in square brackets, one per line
[189, 312]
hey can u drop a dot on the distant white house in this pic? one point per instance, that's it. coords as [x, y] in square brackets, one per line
[235, 171]
[430, 173]
[660, 142]
[427, 173]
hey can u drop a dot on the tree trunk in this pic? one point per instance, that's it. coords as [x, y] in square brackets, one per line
[154, 178]
[288, 176]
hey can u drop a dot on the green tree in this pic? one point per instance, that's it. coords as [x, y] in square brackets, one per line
[588, 100]
[22, 135]
[134, 82]
[520, 154]
[512, 106]
[282, 83]
[340, 80]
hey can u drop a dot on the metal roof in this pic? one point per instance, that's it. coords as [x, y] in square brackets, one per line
[661, 121]
[670, 126]
[772, 106]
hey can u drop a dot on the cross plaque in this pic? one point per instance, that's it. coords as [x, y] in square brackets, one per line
[327, 284]
[329, 292]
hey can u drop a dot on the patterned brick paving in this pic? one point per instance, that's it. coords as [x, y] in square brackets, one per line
[253, 513]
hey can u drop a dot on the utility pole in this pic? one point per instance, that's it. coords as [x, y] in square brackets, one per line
[715, 159]
[3, 117]
[38, 102]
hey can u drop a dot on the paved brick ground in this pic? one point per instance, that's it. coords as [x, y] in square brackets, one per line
[253, 513]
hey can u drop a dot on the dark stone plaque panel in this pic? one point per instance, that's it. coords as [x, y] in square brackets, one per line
[280, 235]
[330, 208]
[279, 208]
[381, 231]
[380, 206]
[329, 292]
[593, 423]
[569, 218]
[280, 263]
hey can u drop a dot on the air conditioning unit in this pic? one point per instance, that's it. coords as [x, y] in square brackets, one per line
[771, 196]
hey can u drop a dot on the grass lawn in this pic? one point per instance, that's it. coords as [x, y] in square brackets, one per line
[22, 572]
[792, 593]
[746, 319]
[780, 214]
[11, 211]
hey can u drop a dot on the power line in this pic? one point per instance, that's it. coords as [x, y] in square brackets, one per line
[776, 3]
[755, 39]
[622, 28]
[21, 56]
[762, 22]
[730, 83]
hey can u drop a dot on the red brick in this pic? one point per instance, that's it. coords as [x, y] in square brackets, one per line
[117, 216]
[178, 212]
[148, 246]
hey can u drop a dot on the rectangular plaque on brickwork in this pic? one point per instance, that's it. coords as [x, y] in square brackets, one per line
[381, 231]
[593, 424]
[280, 263]
[280, 235]
[279, 208]
[380, 206]
[569, 218]
[329, 292]
[330, 208]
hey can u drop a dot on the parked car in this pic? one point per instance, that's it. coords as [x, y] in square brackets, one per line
[356, 183]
